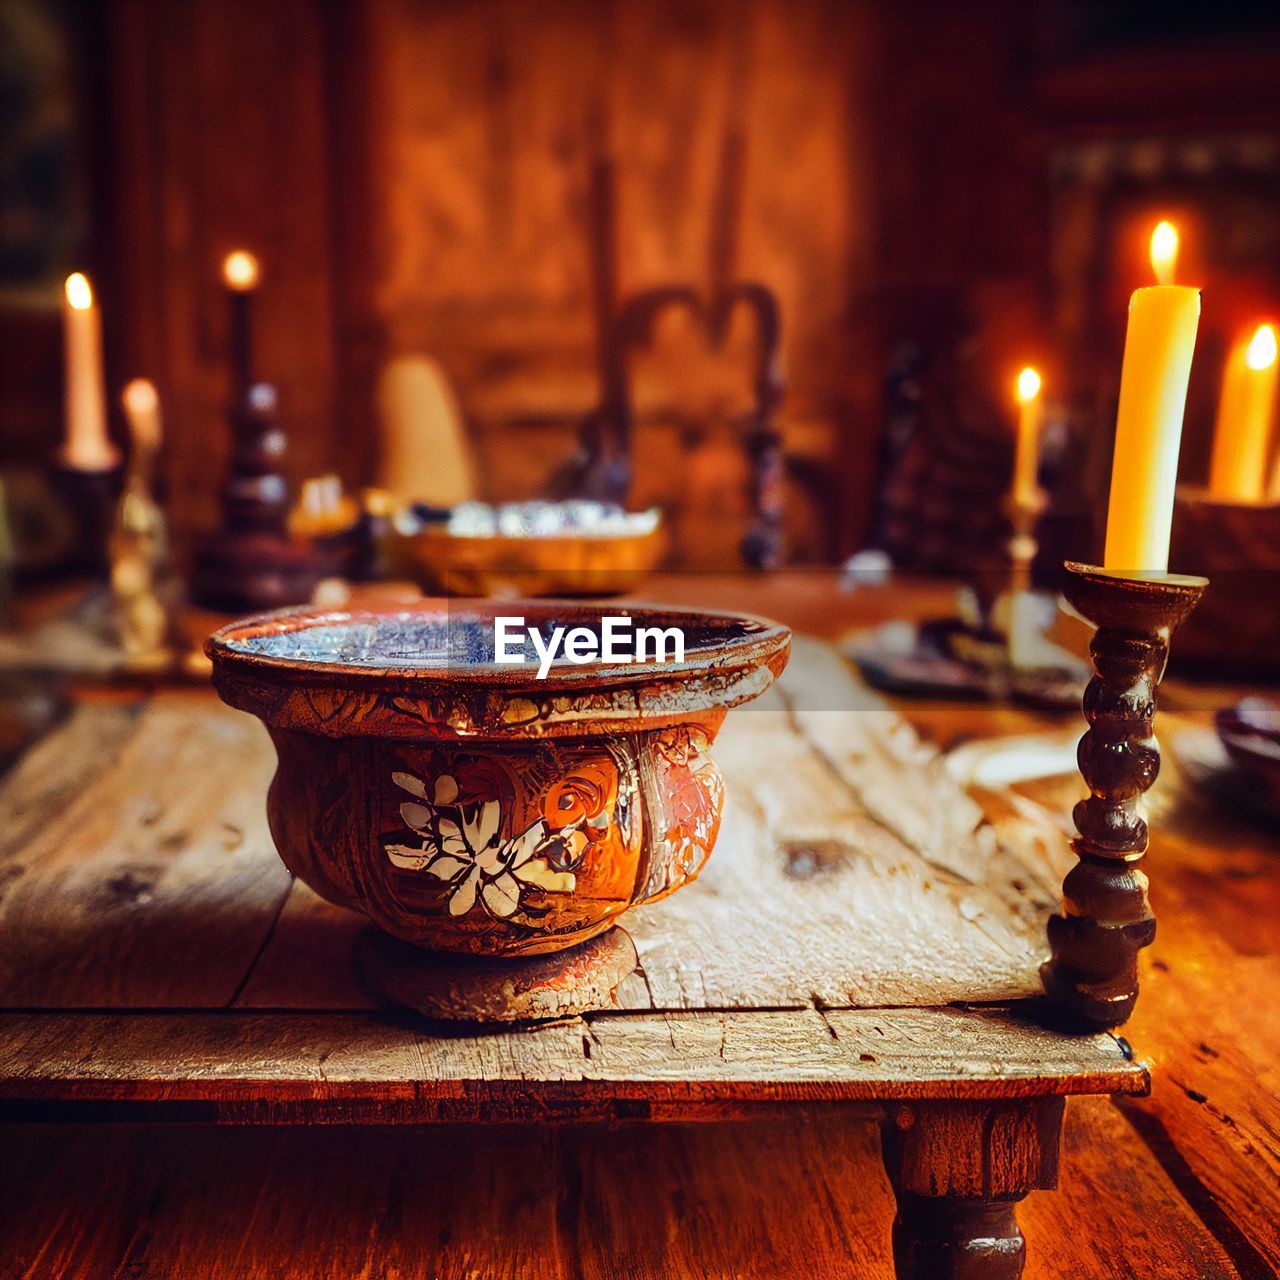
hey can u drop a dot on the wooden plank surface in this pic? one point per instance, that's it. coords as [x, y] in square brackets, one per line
[1179, 1185]
[1207, 1016]
[343, 1067]
[801, 1200]
[851, 871]
[146, 876]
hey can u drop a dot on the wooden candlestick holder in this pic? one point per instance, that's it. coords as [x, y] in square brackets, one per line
[90, 498]
[251, 562]
[1106, 919]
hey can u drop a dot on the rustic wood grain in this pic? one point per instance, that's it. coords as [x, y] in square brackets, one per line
[347, 1067]
[148, 878]
[762, 1201]
[1187, 1195]
[861, 887]
[56, 768]
[1206, 1016]
[1209, 1016]
[958, 1170]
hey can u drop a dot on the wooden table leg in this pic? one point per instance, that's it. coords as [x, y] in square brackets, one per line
[958, 1169]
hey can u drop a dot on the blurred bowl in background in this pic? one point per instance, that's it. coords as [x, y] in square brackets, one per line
[526, 557]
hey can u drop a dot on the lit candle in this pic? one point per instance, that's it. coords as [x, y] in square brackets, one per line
[1243, 432]
[240, 275]
[1164, 251]
[1153, 392]
[87, 446]
[142, 412]
[1026, 455]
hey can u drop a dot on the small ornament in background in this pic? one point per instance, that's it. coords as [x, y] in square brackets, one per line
[252, 561]
[143, 581]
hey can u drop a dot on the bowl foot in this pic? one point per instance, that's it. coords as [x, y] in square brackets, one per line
[466, 989]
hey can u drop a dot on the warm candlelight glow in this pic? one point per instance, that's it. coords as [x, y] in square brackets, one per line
[142, 410]
[240, 270]
[1028, 385]
[79, 294]
[1246, 406]
[1164, 251]
[139, 396]
[1262, 350]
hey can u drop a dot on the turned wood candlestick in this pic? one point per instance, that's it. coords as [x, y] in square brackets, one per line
[1106, 918]
[251, 562]
[90, 498]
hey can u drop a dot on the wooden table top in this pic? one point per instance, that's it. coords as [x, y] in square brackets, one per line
[1189, 1177]
[156, 951]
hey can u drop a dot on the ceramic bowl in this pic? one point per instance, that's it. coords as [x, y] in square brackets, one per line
[466, 806]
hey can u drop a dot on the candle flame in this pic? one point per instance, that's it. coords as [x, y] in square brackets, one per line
[79, 294]
[1164, 251]
[1262, 349]
[1028, 385]
[240, 270]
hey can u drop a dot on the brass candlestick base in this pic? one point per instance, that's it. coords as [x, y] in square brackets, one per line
[1106, 919]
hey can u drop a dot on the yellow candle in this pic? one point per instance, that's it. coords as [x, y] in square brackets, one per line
[1243, 432]
[1164, 252]
[1027, 453]
[87, 446]
[1153, 393]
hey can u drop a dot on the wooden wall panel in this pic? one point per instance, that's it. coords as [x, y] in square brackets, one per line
[484, 129]
[221, 142]
[414, 176]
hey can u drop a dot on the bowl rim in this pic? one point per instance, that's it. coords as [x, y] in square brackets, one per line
[486, 700]
[763, 636]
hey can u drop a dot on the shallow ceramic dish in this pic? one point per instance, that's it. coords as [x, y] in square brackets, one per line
[1250, 734]
[469, 807]
[565, 564]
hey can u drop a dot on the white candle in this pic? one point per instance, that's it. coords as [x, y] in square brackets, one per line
[87, 446]
[142, 412]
